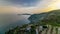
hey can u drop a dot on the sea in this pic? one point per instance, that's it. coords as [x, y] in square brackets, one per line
[10, 21]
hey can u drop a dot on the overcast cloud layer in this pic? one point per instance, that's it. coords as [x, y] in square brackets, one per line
[24, 2]
[24, 6]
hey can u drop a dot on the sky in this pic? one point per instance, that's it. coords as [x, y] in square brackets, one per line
[28, 6]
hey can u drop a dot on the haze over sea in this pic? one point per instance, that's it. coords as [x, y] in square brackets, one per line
[9, 21]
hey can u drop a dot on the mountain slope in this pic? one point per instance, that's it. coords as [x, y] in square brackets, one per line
[37, 17]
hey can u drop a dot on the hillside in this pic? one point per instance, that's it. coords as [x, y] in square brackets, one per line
[51, 18]
[37, 17]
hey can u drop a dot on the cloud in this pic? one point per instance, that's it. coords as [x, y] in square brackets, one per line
[11, 6]
[24, 3]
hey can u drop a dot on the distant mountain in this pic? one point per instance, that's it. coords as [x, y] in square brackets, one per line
[37, 17]
[25, 14]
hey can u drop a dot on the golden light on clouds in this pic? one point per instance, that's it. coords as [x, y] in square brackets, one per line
[44, 10]
[53, 6]
[57, 5]
[11, 9]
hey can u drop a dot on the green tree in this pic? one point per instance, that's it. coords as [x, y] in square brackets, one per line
[52, 19]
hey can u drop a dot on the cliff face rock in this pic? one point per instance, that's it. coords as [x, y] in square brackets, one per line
[37, 17]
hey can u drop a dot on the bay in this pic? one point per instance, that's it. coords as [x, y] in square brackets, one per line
[9, 21]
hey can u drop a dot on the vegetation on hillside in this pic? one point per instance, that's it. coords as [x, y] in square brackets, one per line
[51, 18]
